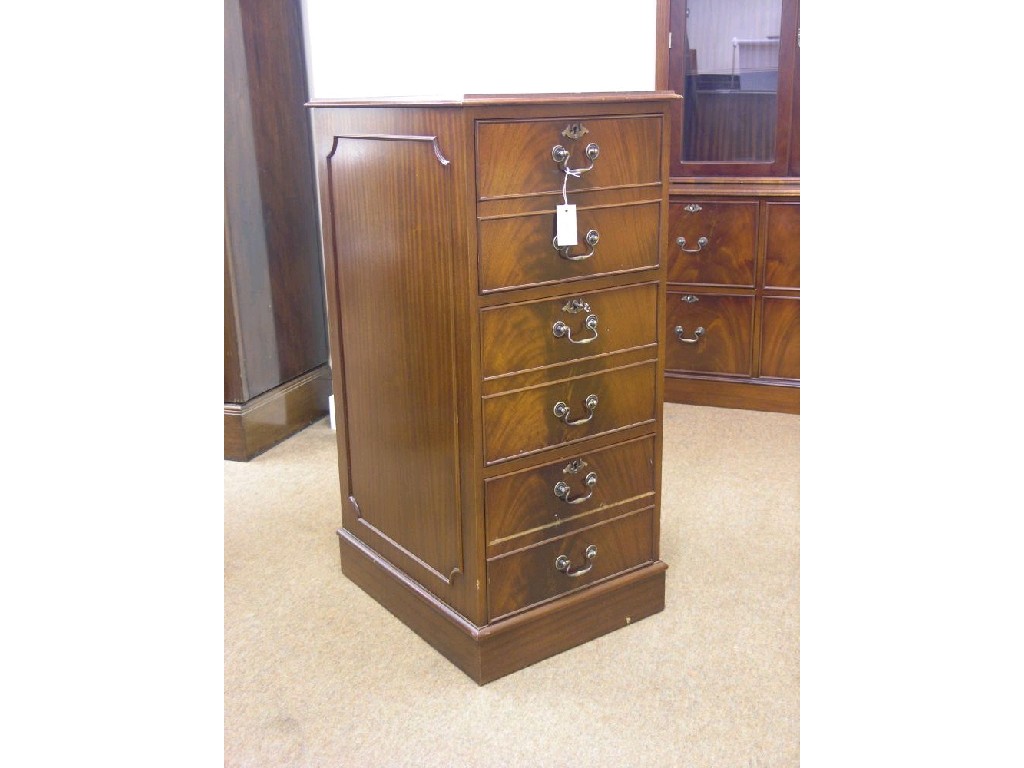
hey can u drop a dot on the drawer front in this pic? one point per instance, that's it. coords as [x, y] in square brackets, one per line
[782, 256]
[780, 338]
[710, 333]
[516, 156]
[537, 334]
[529, 576]
[517, 251]
[556, 498]
[522, 422]
[726, 254]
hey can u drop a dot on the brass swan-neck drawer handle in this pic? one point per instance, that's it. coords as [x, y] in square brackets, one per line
[561, 156]
[591, 237]
[564, 564]
[698, 334]
[561, 410]
[701, 243]
[562, 489]
[560, 329]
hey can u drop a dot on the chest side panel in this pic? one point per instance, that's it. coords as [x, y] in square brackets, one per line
[390, 210]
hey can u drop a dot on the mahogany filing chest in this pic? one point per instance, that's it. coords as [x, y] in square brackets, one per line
[498, 394]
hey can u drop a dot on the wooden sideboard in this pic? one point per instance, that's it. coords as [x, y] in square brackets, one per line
[499, 396]
[734, 296]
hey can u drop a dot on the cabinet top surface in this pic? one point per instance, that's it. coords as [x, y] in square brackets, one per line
[488, 100]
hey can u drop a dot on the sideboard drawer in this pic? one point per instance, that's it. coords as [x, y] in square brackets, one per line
[517, 251]
[538, 334]
[780, 337]
[710, 333]
[556, 498]
[712, 243]
[528, 576]
[782, 251]
[527, 420]
[516, 156]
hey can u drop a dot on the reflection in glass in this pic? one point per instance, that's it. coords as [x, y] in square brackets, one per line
[731, 75]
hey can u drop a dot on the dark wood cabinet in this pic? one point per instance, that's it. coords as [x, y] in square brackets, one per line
[734, 222]
[499, 394]
[276, 376]
[734, 300]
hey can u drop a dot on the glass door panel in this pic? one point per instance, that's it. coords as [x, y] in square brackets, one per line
[731, 80]
[733, 61]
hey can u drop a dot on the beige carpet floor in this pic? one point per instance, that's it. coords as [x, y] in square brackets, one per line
[318, 674]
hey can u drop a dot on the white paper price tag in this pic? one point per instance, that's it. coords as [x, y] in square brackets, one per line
[565, 225]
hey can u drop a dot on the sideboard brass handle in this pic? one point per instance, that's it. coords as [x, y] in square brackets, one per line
[561, 156]
[560, 329]
[697, 334]
[701, 242]
[562, 489]
[564, 564]
[693, 208]
[591, 237]
[561, 410]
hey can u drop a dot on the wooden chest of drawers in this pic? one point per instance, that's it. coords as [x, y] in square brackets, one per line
[499, 395]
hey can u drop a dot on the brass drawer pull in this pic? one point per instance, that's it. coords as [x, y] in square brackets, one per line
[560, 329]
[697, 334]
[562, 489]
[561, 410]
[591, 237]
[561, 156]
[693, 208]
[701, 242]
[564, 564]
[689, 298]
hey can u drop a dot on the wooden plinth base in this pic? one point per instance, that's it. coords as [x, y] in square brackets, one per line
[253, 427]
[489, 652]
[778, 398]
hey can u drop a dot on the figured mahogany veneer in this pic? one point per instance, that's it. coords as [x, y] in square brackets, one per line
[517, 251]
[724, 345]
[630, 153]
[520, 337]
[742, 287]
[728, 257]
[780, 340]
[528, 576]
[523, 508]
[782, 247]
[523, 422]
[456, 330]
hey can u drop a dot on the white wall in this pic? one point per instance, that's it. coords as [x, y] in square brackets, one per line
[454, 47]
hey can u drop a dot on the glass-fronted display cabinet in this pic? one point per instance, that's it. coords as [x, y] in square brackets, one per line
[733, 293]
[736, 64]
